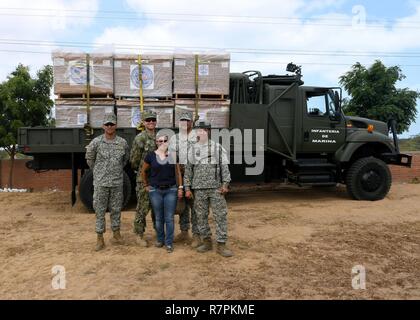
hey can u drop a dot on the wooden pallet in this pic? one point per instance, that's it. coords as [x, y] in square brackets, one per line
[145, 98]
[84, 96]
[200, 96]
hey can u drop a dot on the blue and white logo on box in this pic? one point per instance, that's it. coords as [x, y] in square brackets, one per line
[77, 73]
[147, 74]
[135, 117]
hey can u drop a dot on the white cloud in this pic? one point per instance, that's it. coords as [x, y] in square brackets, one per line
[219, 7]
[51, 20]
[314, 5]
[296, 34]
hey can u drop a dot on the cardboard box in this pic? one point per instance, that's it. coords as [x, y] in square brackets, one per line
[128, 113]
[157, 75]
[213, 74]
[70, 73]
[72, 113]
[217, 112]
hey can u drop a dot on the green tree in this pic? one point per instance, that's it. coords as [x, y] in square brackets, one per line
[24, 101]
[375, 96]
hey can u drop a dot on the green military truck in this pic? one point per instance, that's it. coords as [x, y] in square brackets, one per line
[307, 140]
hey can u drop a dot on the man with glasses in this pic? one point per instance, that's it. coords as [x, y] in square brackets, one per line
[179, 144]
[107, 155]
[143, 143]
[207, 176]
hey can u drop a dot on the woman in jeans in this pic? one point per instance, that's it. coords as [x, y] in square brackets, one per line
[164, 185]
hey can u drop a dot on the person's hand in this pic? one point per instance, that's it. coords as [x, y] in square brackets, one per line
[223, 190]
[188, 194]
[147, 188]
[180, 193]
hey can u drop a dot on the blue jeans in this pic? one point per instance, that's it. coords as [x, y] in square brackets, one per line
[164, 204]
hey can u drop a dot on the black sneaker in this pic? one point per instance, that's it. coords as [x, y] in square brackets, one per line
[169, 249]
[158, 244]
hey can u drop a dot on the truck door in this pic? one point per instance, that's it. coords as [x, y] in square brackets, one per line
[323, 127]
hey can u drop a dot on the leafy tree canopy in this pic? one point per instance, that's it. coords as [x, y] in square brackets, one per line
[375, 96]
[24, 101]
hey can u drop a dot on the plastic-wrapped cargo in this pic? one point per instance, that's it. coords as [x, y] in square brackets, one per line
[72, 113]
[156, 75]
[217, 112]
[213, 74]
[70, 73]
[128, 113]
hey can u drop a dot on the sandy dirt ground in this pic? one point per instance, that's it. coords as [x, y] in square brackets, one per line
[289, 243]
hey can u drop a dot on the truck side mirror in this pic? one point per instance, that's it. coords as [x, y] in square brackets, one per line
[337, 102]
[337, 114]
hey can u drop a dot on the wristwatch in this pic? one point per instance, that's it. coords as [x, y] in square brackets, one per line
[181, 187]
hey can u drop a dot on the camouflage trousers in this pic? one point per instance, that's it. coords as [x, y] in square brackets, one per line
[203, 200]
[142, 209]
[184, 217]
[105, 198]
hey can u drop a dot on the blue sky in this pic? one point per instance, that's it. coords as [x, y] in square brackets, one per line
[325, 36]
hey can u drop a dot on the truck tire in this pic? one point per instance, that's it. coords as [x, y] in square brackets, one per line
[368, 179]
[86, 190]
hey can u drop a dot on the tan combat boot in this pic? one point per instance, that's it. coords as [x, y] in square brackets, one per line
[100, 243]
[141, 241]
[223, 251]
[117, 239]
[205, 246]
[182, 237]
[196, 241]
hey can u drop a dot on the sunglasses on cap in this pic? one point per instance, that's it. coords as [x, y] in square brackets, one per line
[162, 141]
[109, 124]
[150, 120]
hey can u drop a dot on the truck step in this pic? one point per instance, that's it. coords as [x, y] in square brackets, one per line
[311, 178]
[314, 163]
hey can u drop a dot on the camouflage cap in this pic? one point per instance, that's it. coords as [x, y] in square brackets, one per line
[202, 124]
[110, 118]
[148, 114]
[186, 116]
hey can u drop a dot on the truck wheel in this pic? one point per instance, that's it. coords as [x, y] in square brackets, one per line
[86, 190]
[368, 179]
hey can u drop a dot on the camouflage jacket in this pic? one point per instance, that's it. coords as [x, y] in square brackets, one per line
[180, 144]
[143, 144]
[107, 159]
[207, 166]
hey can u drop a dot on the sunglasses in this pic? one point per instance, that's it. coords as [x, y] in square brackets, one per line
[150, 120]
[162, 141]
[109, 124]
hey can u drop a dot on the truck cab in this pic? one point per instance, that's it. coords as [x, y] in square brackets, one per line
[308, 139]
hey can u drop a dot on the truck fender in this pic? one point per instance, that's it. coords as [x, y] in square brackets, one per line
[345, 153]
[364, 136]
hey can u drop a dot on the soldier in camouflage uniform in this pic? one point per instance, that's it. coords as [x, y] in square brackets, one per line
[107, 155]
[179, 144]
[143, 143]
[207, 175]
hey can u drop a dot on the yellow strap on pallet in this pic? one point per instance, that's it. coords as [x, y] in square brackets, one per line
[87, 127]
[140, 125]
[88, 87]
[196, 89]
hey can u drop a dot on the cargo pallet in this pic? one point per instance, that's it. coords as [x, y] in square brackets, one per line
[167, 98]
[84, 96]
[200, 96]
